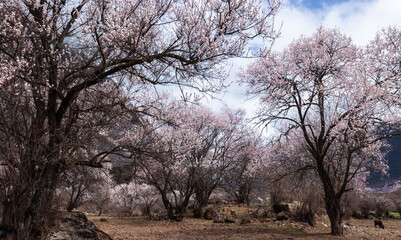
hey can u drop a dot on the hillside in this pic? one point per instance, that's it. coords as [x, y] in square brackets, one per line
[394, 161]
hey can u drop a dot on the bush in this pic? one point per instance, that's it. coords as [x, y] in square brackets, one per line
[305, 212]
[303, 191]
[383, 205]
[396, 199]
[372, 205]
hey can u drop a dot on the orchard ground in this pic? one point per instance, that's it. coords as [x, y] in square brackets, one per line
[141, 228]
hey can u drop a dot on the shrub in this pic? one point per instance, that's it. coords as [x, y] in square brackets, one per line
[305, 212]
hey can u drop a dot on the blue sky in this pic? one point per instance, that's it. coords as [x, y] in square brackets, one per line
[359, 19]
[316, 4]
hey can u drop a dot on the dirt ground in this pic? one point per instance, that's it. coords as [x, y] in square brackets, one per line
[140, 228]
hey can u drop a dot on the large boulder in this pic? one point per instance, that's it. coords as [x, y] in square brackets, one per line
[75, 226]
[219, 219]
[210, 214]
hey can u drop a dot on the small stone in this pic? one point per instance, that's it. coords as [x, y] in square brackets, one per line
[246, 221]
[218, 219]
[229, 219]
[234, 213]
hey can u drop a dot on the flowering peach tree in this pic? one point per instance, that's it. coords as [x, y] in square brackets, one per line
[334, 102]
[66, 66]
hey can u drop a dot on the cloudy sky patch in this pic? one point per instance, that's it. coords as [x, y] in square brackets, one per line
[359, 19]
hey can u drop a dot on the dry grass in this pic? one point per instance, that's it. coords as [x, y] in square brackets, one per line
[140, 228]
[189, 228]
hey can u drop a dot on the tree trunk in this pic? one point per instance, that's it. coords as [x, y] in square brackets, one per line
[70, 207]
[198, 211]
[243, 194]
[170, 213]
[335, 216]
[201, 198]
[169, 207]
[146, 210]
[100, 212]
[174, 214]
[27, 208]
[28, 218]
[332, 201]
[333, 208]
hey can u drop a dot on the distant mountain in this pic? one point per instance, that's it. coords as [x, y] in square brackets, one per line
[377, 180]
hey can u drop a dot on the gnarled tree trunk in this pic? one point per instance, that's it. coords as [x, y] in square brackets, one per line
[27, 208]
[333, 207]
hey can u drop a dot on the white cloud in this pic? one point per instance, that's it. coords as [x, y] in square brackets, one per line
[294, 22]
[360, 19]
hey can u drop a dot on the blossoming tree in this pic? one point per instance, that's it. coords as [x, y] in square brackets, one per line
[134, 196]
[174, 153]
[336, 101]
[54, 54]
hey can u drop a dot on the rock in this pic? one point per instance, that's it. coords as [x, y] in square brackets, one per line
[255, 213]
[265, 220]
[258, 201]
[75, 226]
[246, 221]
[158, 217]
[234, 214]
[218, 219]
[229, 219]
[210, 214]
[292, 207]
[281, 216]
[372, 214]
[266, 214]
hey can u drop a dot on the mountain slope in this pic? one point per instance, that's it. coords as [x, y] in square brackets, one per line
[377, 180]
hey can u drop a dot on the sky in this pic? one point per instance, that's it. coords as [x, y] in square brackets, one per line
[316, 4]
[359, 19]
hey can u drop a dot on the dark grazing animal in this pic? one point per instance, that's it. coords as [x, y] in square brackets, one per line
[380, 223]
